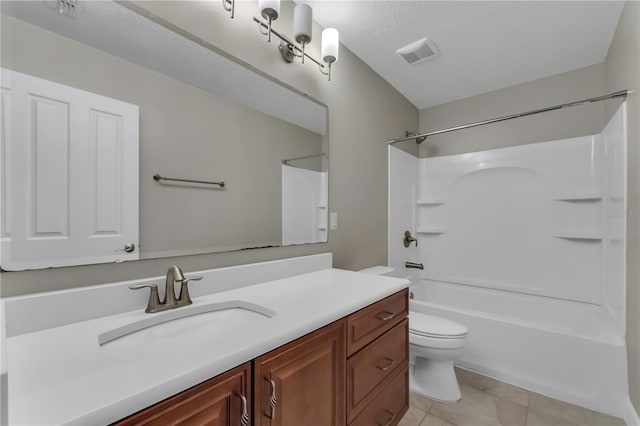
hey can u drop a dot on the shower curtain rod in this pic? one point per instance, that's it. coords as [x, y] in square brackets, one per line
[286, 161]
[620, 94]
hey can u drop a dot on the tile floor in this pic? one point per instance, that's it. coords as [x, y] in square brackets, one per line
[489, 402]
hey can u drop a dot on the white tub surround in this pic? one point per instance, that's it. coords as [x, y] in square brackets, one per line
[62, 375]
[4, 378]
[526, 247]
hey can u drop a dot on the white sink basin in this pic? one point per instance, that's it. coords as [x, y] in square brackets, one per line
[196, 309]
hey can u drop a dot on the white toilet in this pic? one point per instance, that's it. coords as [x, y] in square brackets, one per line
[434, 343]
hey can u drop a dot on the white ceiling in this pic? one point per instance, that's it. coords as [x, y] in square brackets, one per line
[484, 45]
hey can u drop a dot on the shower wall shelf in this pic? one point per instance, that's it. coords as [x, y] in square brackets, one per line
[579, 197]
[430, 202]
[431, 231]
[588, 236]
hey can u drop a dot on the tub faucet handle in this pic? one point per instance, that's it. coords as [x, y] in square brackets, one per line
[408, 239]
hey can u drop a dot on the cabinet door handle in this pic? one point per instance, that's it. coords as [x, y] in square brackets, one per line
[273, 400]
[392, 417]
[388, 365]
[385, 316]
[244, 415]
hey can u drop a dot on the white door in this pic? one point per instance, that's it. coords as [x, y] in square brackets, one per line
[5, 167]
[74, 175]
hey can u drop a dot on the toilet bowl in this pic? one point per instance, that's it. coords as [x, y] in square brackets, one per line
[434, 344]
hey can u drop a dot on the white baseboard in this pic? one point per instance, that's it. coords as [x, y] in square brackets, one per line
[630, 414]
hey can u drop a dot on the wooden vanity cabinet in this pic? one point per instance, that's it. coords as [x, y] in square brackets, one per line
[378, 363]
[353, 371]
[307, 378]
[216, 402]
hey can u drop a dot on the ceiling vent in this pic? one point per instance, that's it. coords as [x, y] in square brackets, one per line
[418, 51]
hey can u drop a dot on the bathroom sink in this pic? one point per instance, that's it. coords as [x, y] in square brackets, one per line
[152, 320]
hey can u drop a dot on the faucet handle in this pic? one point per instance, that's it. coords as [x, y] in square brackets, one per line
[184, 298]
[187, 279]
[154, 298]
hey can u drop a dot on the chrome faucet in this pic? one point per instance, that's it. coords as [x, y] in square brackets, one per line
[174, 275]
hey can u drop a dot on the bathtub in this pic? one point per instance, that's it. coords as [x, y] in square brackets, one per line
[511, 341]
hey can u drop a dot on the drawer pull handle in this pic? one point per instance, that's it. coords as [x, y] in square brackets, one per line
[273, 400]
[244, 415]
[392, 417]
[385, 316]
[389, 364]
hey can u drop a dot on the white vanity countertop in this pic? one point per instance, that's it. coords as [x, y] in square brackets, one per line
[63, 376]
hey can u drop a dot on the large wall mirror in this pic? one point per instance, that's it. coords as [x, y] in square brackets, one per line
[98, 100]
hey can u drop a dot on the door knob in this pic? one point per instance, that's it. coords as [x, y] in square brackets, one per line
[128, 248]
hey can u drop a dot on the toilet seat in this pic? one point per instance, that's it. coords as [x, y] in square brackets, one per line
[434, 327]
[437, 342]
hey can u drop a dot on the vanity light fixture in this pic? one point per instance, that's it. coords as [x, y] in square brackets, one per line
[302, 28]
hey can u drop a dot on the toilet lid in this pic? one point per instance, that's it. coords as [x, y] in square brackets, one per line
[432, 326]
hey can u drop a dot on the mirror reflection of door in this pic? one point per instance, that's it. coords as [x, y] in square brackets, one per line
[69, 177]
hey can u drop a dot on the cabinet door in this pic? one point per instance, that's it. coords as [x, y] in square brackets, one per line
[216, 402]
[303, 382]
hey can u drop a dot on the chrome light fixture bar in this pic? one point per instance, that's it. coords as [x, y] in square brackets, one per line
[229, 6]
[302, 28]
[289, 50]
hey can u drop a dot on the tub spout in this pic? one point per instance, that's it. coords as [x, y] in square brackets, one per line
[413, 265]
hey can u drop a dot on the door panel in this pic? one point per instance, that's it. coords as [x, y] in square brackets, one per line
[74, 175]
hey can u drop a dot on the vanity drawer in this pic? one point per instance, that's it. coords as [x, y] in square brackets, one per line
[370, 370]
[368, 323]
[389, 406]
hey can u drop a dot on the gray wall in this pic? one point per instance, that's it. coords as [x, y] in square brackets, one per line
[364, 111]
[622, 71]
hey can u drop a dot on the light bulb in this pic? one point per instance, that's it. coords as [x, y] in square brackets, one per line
[270, 9]
[302, 23]
[330, 45]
